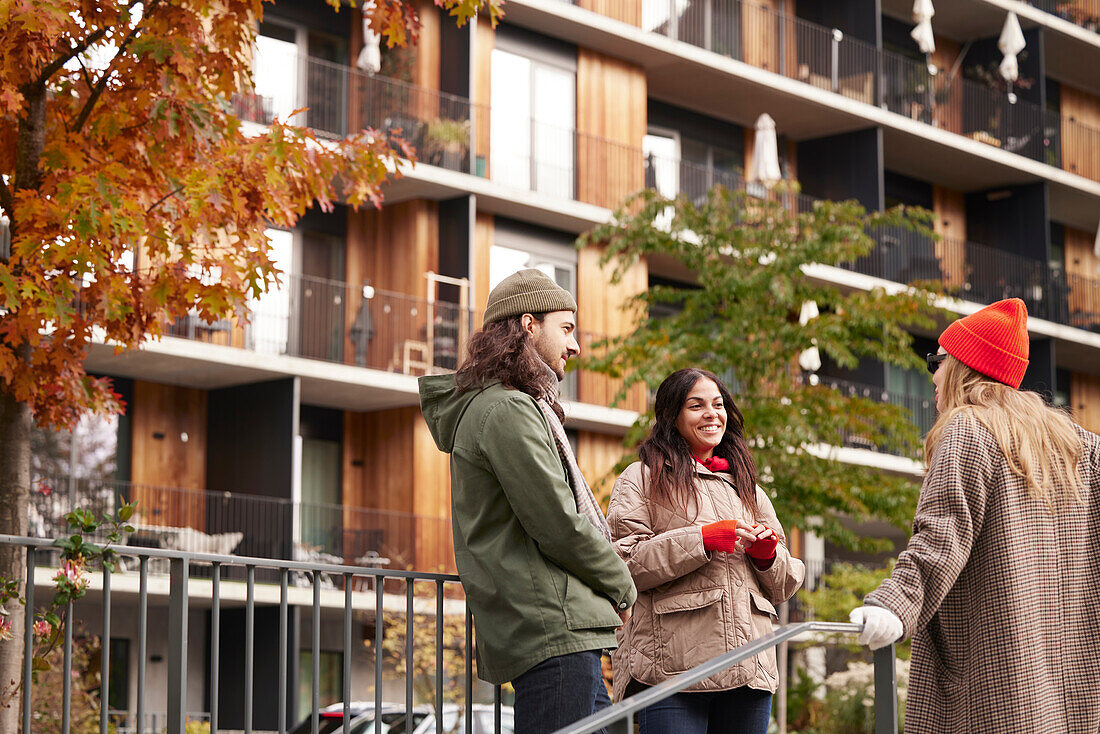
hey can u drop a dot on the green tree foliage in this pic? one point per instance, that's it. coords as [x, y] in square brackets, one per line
[754, 262]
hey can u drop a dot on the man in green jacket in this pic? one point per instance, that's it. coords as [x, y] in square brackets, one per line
[546, 588]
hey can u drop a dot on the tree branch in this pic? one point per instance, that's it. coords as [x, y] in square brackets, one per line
[60, 61]
[101, 85]
[164, 198]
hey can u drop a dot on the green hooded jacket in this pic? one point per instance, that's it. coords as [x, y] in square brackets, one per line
[540, 579]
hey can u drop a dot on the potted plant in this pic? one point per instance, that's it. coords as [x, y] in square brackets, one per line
[445, 142]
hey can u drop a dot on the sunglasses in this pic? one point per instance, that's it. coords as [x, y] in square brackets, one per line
[933, 361]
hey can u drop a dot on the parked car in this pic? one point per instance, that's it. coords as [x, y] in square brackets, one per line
[330, 720]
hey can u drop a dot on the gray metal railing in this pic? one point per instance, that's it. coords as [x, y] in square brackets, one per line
[1085, 13]
[385, 587]
[618, 717]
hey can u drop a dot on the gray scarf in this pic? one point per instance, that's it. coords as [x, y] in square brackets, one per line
[586, 501]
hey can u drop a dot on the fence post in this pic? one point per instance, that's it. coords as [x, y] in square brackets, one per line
[886, 691]
[177, 645]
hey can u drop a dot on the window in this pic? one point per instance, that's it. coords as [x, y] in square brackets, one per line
[269, 330]
[532, 121]
[297, 67]
[330, 684]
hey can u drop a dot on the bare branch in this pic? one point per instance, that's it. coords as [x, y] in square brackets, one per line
[101, 85]
[164, 198]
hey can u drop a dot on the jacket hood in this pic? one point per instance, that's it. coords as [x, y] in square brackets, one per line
[443, 404]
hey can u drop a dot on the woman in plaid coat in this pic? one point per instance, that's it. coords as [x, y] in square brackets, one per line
[1000, 584]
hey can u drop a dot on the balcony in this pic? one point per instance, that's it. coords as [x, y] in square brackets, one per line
[248, 525]
[1085, 13]
[833, 61]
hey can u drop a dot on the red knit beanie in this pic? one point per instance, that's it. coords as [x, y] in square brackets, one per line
[993, 341]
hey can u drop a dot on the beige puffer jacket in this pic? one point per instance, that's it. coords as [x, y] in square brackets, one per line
[694, 604]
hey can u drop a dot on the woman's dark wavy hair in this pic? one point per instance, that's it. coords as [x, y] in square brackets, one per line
[503, 351]
[667, 454]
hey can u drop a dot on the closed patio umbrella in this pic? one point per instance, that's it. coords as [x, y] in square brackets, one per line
[370, 56]
[1011, 43]
[922, 32]
[809, 359]
[765, 152]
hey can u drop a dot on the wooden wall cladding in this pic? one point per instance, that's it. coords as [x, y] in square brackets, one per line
[601, 311]
[611, 122]
[396, 489]
[950, 210]
[162, 417]
[1082, 263]
[1085, 395]
[760, 22]
[484, 230]
[597, 455]
[627, 12]
[1079, 141]
[482, 89]
[392, 248]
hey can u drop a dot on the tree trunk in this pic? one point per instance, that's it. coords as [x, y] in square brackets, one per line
[15, 480]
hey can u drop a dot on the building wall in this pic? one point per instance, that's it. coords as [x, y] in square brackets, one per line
[168, 450]
[949, 207]
[1085, 396]
[611, 122]
[597, 455]
[1079, 148]
[392, 464]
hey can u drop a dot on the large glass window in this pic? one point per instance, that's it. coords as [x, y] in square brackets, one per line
[296, 67]
[330, 684]
[531, 136]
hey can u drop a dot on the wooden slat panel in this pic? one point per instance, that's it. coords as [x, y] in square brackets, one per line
[950, 209]
[760, 34]
[624, 10]
[947, 112]
[1079, 147]
[483, 56]
[611, 122]
[431, 501]
[169, 461]
[483, 241]
[1081, 261]
[600, 313]
[392, 248]
[1085, 394]
[597, 456]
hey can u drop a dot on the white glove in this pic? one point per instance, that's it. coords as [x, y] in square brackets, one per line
[880, 626]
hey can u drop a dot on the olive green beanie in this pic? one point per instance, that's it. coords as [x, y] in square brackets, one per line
[527, 291]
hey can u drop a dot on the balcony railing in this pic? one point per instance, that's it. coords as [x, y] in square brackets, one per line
[829, 59]
[249, 525]
[922, 408]
[1085, 13]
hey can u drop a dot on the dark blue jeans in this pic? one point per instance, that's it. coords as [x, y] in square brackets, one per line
[558, 692]
[740, 711]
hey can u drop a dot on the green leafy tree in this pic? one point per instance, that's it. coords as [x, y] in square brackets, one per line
[753, 264]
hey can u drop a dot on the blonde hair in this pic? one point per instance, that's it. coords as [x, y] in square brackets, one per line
[1039, 442]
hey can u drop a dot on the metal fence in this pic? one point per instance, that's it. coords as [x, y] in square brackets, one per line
[390, 594]
[248, 524]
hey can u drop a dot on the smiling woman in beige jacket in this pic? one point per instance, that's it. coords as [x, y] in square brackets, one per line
[708, 556]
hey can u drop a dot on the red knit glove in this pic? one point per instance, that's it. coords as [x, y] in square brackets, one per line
[720, 536]
[763, 550]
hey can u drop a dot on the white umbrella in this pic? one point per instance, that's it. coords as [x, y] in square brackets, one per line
[922, 33]
[765, 152]
[1011, 43]
[370, 57]
[809, 359]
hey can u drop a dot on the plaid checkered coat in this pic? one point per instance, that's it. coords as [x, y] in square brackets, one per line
[1000, 596]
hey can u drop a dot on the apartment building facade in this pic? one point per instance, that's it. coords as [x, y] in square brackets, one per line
[296, 433]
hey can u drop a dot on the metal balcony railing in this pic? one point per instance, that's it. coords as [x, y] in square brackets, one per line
[443, 602]
[921, 408]
[248, 524]
[828, 59]
[1085, 13]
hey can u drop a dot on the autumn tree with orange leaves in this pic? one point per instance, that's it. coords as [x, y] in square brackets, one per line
[134, 196]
